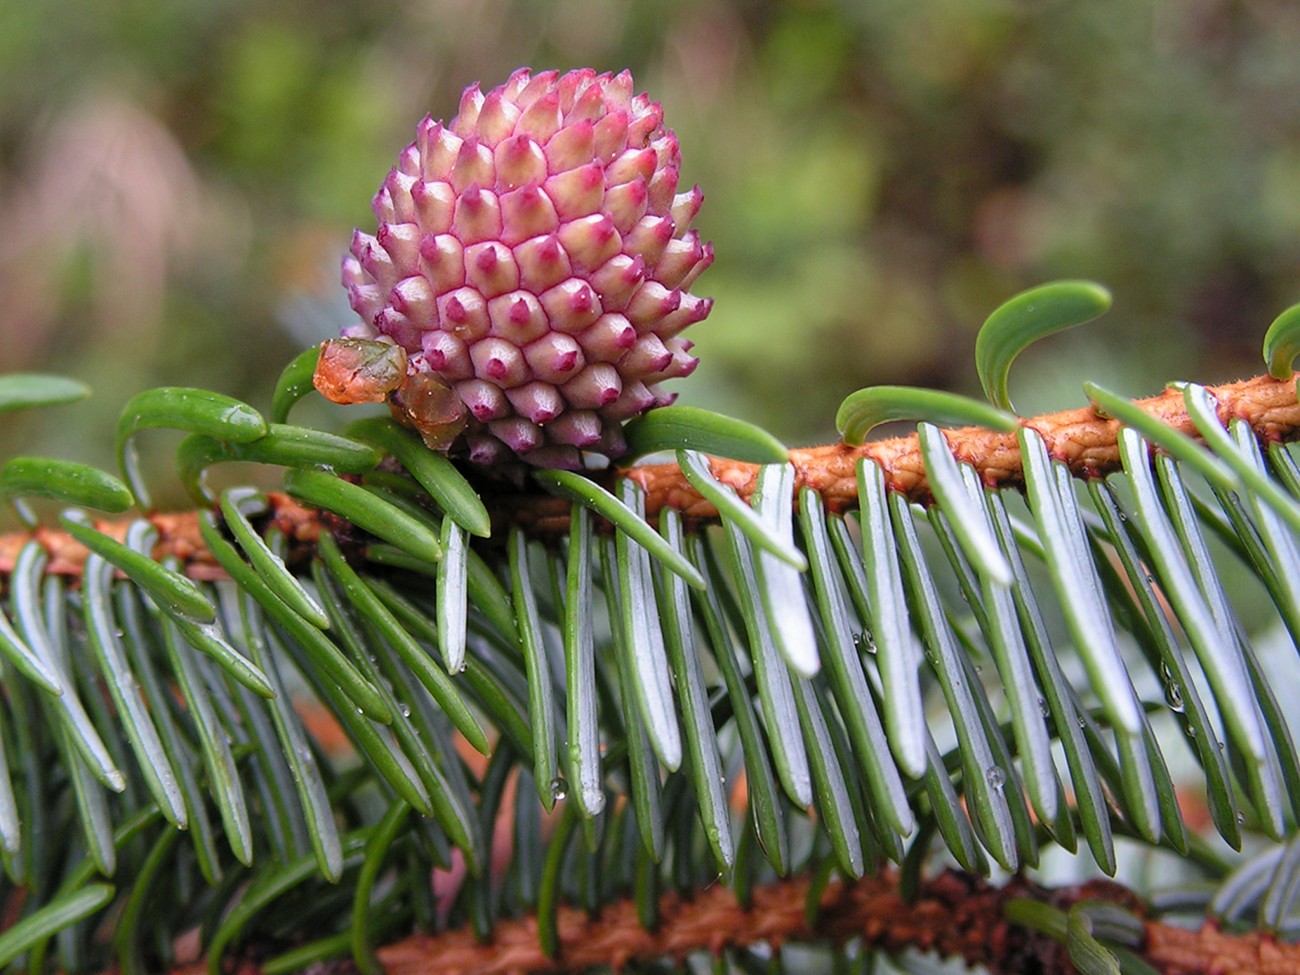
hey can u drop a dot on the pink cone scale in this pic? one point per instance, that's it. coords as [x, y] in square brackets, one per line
[533, 255]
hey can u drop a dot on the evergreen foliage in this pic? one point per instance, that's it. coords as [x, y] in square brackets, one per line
[279, 748]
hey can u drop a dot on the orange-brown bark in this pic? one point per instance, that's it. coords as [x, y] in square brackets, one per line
[178, 537]
[953, 916]
[1081, 438]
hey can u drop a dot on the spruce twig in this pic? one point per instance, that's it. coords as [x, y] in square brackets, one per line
[1083, 439]
[954, 915]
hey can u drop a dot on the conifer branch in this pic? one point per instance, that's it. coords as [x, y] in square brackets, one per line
[954, 915]
[1082, 438]
[178, 538]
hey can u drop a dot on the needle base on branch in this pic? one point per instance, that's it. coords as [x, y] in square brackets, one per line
[1084, 440]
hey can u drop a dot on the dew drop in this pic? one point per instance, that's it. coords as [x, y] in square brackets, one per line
[405, 709]
[1241, 819]
[1043, 708]
[559, 788]
[996, 777]
[1174, 697]
[864, 641]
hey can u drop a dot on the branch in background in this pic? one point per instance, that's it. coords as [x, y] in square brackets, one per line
[1082, 439]
[953, 915]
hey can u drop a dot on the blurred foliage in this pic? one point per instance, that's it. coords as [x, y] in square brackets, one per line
[177, 181]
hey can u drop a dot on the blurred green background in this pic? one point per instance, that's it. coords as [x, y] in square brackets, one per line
[179, 179]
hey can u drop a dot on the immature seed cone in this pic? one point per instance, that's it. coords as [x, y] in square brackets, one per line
[533, 259]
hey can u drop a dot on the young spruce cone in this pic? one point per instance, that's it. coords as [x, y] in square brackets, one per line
[533, 260]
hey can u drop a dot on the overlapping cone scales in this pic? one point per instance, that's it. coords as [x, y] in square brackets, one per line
[535, 256]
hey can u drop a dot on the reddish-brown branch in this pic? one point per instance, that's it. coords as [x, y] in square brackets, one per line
[178, 537]
[954, 916]
[1081, 438]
